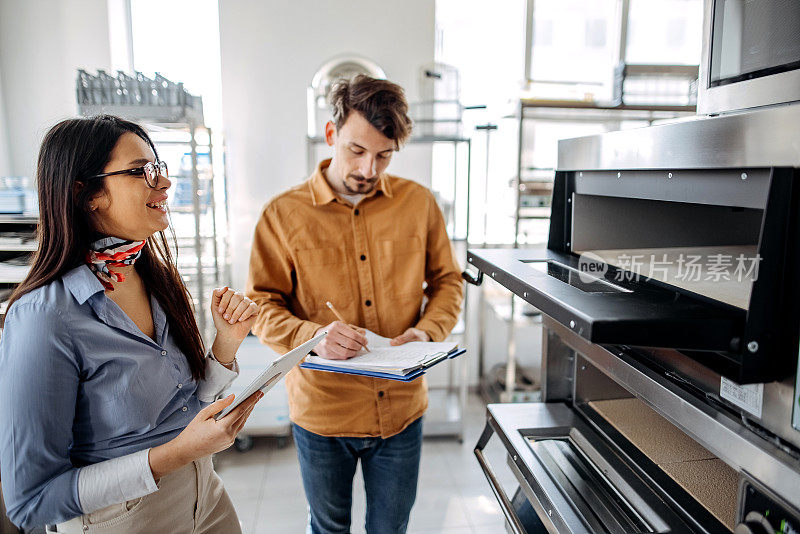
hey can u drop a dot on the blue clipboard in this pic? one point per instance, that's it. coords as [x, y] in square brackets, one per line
[400, 378]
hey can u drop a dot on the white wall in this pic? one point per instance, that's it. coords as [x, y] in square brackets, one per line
[270, 51]
[42, 44]
[5, 160]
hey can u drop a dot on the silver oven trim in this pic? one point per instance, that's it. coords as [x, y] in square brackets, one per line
[725, 437]
[773, 89]
[513, 522]
[763, 138]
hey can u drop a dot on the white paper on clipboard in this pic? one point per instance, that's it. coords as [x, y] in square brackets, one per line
[274, 372]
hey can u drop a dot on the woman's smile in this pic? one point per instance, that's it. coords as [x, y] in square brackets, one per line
[159, 205]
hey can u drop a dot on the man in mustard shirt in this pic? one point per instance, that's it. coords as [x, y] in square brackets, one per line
[375, 246]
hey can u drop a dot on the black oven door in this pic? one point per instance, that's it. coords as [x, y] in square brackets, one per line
[609, 309]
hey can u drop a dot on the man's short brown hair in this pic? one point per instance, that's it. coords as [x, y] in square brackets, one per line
[381, 102]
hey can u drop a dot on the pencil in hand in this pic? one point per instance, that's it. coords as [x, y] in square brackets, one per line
[338, 315]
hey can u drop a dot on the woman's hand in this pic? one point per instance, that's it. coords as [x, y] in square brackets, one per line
[204, 435]
[234, 315]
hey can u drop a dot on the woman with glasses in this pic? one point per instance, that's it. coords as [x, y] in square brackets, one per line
[107, 395]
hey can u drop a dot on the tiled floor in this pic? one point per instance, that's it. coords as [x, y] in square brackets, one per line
[453, 495]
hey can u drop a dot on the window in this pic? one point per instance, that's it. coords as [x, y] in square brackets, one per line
[543, 33]
[595, 33]
[579, 48]
[486, 42]
[180, 40]
[665, 31]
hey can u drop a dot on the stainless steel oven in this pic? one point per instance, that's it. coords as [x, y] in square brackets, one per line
[751, 55]
[670, 402]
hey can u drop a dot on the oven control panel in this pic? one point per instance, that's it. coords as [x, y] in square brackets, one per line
[761, 513]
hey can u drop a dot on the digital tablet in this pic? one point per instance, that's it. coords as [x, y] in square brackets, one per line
[273, 373]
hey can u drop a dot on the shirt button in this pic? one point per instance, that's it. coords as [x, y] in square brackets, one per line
[363, 258]
[356, 212]
[163, 353]
[180, 386]
[368, 303]
[184, 409]
[380, 394]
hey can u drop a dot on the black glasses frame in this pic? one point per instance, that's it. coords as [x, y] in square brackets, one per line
[149, 171]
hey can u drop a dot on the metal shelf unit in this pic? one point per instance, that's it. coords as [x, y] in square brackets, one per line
[24, 225]
[190, 121]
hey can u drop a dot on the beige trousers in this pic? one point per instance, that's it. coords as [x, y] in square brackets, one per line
[191, 500]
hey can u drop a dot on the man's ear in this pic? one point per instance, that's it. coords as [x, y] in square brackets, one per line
[330, 133]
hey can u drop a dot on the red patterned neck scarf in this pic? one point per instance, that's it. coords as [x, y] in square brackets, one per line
[112, 252]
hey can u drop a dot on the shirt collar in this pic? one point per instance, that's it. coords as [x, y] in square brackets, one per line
[82, 283]
[322, 193]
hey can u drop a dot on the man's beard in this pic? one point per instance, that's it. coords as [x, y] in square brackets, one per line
[362, 187]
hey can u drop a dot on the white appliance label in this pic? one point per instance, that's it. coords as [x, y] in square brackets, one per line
[748, 398]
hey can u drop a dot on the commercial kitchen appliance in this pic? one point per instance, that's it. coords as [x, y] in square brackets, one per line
[671, 300]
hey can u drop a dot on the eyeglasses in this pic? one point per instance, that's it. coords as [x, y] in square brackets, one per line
[150, 171]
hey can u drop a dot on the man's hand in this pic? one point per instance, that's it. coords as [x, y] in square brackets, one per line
[412, 334]
[342, 342]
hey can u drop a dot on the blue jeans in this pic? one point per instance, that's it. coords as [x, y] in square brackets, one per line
[390, 467]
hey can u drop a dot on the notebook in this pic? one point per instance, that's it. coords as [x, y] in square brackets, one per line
[385, 361]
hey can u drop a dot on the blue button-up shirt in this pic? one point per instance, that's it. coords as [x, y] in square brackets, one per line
[81, 384]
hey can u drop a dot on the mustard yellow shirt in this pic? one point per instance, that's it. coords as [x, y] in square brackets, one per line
[386, 265]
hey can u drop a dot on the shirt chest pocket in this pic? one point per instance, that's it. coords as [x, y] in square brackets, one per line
[402, 264]
[323, 274]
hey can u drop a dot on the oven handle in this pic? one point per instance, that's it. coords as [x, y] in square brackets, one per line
[497, 489]
[474, 279]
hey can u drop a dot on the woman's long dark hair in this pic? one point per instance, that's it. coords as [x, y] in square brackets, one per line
[74, 149]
